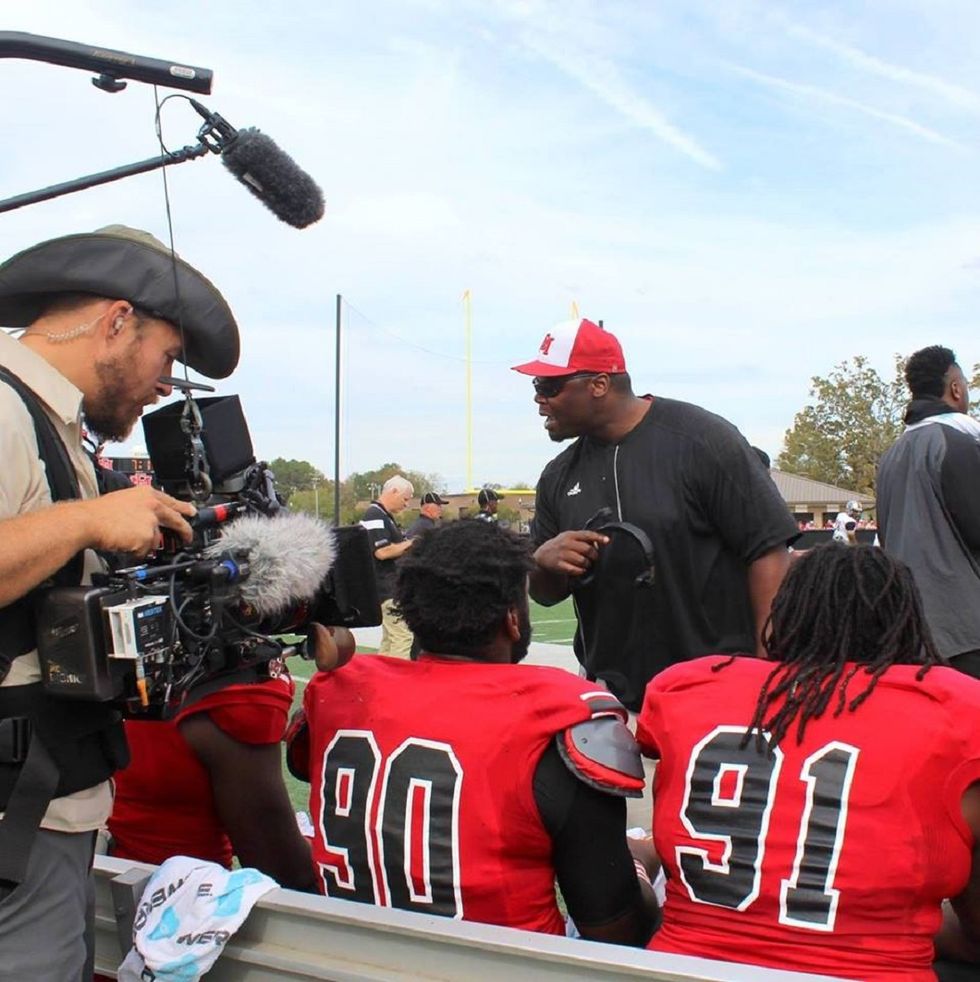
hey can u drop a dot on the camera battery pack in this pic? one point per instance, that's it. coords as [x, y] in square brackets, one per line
[71, 642]
[139, 627]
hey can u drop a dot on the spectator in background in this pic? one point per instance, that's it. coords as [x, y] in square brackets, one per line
[927, 505]
[388, 543]
[487, 500]
[430, 514]
[865, 826]
[846, 524]
[716, 522]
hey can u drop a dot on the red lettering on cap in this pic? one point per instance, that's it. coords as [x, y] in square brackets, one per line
[546, 344]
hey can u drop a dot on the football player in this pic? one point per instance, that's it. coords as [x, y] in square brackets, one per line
[463, 784]
[812, 810]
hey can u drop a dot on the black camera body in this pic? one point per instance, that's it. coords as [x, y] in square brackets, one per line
[144, 635]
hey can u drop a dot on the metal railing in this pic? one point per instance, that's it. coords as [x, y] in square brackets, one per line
[294, 936]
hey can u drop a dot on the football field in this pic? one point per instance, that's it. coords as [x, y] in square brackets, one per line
[553, 625]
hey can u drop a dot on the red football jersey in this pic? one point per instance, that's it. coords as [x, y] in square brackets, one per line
[832, 856]
[421, 784]
[163, 805]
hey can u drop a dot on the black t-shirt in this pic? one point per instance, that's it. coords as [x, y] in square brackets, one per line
[690, 480]
[384, 530]
[421, 524]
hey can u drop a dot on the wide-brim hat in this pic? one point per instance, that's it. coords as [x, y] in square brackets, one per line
[123, 263]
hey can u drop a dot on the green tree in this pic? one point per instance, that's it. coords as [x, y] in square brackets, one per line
[975, 392]
[367, 484]
[854, 417]
[295, 475]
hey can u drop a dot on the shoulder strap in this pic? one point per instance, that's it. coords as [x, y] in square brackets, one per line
[17, 629]
[61, 475]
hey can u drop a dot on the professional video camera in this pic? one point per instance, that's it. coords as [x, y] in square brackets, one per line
[145, 635]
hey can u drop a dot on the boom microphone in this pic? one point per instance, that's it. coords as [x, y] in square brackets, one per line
[274, 178]
[269, 173]
[289, 557]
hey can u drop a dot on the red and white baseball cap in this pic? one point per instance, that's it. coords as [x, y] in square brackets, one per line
[576, 346]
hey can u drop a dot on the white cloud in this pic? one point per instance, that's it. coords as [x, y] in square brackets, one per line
[955, 95]
[603, 80]
[827, 97]
[581, 43]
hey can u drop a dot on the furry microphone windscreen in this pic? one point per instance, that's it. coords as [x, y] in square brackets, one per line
[274, 178]
[288, 557]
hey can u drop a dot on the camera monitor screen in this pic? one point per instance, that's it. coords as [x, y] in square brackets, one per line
[227, 444]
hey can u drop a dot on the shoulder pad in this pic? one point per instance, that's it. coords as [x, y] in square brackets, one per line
[602, 702]
[603, 754]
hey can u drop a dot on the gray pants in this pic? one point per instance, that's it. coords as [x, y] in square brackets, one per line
[46, 922]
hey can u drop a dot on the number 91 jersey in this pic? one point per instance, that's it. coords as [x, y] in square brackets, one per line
[421, 779]
[832, 856]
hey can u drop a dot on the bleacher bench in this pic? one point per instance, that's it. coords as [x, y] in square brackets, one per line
[294, 936]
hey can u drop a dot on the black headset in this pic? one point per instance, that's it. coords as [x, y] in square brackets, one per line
[603, 521]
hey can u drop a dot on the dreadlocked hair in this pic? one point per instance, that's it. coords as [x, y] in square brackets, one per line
[455, 586]
[841, 611]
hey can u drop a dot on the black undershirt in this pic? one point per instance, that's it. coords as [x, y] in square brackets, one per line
[592, 862]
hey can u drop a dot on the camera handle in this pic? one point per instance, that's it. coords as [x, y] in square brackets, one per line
[197, 462]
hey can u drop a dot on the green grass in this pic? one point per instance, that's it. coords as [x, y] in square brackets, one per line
[554, 625]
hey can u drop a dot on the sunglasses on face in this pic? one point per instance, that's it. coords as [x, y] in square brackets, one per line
[548, 386]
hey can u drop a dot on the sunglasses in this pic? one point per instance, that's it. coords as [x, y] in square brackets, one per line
[548, 386]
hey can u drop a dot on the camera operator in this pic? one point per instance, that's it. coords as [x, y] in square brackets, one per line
[100, 312]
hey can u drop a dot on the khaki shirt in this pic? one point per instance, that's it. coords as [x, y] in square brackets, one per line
[23, 489]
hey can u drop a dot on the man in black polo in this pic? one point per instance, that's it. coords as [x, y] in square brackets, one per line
[430, 515]
[717, 527]
[388, 543]
[487, 500]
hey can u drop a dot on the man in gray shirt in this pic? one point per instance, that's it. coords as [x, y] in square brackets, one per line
[928, 512]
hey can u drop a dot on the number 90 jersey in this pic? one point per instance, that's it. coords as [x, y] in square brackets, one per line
[421, 780]
[832, 856]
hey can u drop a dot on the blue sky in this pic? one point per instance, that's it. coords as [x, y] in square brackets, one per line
[746, 193]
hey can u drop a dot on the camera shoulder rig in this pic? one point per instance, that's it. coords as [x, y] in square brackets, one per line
[48, 748]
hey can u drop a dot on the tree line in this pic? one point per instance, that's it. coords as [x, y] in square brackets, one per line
[853, 416]
[305, 488]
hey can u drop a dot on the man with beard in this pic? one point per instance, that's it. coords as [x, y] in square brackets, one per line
[686, 478]
[475, 780]
[99, 313]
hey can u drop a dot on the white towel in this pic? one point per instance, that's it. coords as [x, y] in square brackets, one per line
[188, 911]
